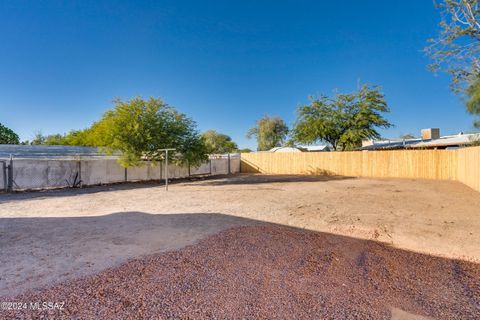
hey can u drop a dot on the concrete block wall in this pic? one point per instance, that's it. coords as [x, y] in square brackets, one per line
[94, 172]
[33, 174]
[115, 172]
[220, 166]
[46, 173]
[175, 172]
[235, 165]
[204, 168]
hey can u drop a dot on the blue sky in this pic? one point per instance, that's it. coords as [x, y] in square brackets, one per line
[224, 63]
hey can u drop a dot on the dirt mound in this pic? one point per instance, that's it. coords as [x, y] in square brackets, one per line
[271, 272]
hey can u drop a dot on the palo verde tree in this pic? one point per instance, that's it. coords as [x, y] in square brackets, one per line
[270, 132]
[473, 103]
[342, 121]
[51, 139]
[216, 142]
[8, 136]
[139, 128]
[456, 50]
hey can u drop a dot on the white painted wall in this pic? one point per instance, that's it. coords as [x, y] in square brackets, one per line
[41, 173]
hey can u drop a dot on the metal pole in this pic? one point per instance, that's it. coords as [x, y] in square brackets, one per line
[166, 165]
[4, 170]
[80, 171]
[166, 170]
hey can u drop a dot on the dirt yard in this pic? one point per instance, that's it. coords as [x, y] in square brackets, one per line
[402, 237]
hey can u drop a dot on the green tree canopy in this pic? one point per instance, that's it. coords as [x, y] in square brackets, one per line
[51, 139]
[38, 139]
[216, 142]
[344, 120]
[270, 132]
[139, 128]
[473, 103]
[7, 136]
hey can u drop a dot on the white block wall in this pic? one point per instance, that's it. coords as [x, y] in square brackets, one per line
[40, 173]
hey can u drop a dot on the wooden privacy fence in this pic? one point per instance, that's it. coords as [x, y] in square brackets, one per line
[461, 165]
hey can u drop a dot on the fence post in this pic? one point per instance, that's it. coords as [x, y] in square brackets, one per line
[4, 172]
[10, 175]
[80, 184]
[228, 157]
[210, 161]
[126, 174]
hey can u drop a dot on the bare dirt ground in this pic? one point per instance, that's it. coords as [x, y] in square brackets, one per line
[51, 237]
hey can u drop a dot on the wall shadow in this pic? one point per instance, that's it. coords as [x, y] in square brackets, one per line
[247, 178]
[219, 180]
[67, 192]
[299, 272]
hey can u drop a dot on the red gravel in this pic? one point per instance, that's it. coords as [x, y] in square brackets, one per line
[271, 272]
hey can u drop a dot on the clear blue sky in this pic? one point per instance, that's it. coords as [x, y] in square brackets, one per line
[224, 63]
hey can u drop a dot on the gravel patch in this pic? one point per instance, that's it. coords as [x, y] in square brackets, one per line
[268, 272]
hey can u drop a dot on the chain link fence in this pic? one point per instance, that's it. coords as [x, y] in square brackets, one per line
[76, 171]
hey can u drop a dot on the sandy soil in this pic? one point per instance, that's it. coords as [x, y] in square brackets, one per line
[50, 237]
[272, 272]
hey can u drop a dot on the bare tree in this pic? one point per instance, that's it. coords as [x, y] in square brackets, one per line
[456, 50]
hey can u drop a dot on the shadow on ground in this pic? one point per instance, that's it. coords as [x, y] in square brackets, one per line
[231, 267]
[252, 179]
[67, 192]
[237, 179]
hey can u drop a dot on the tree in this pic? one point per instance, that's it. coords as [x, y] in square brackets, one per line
[473, 103]
[244, 150]
[218, 143]
[270, 132]
[38, 139]
[7, 136]
[55, 140]
[407, 136]
[343, 121]
[139, 128]
[85, 137]
[457, 48]
[51, 140]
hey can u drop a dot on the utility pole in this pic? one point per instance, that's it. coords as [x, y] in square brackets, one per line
[166, 165]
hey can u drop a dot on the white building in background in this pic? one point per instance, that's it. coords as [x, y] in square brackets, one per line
[301, 149]
[285, 149]
[316, 148]
[430, 139]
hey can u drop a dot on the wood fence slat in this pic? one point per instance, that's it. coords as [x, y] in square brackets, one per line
[462, 164]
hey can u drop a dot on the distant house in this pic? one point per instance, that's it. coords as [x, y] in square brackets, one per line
[285, 149]
[301, 149]
[430, 139]
[322, 148]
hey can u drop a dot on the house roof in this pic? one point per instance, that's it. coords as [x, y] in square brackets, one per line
[41, 151]
[391, 144]
[315, 148]
[445, 141]
[285, 149]
[456, 140]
